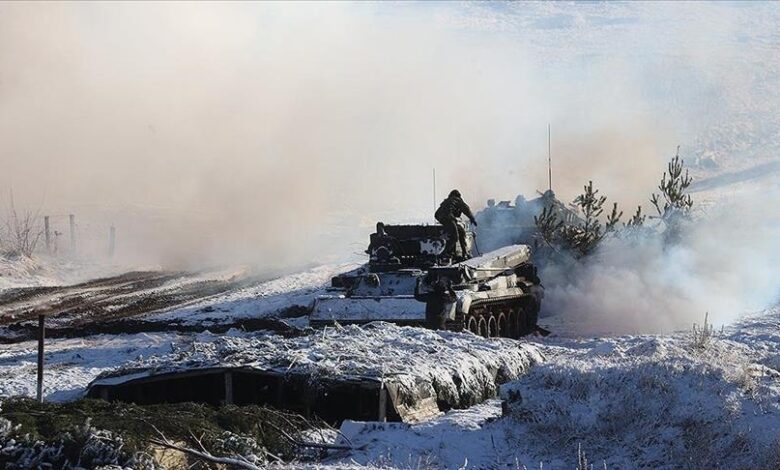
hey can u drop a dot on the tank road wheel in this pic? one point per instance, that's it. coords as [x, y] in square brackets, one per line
[522, 322]
[471, 324]
[511, 324]
[482, 327]
[532, 316]
[516, 323]
[503, 326]
[492, 326]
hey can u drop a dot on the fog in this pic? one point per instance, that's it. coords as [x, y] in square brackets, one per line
[277, 134]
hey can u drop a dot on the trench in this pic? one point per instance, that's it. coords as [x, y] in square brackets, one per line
[331, 400]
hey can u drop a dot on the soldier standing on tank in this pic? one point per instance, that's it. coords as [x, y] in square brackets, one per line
[447, 214]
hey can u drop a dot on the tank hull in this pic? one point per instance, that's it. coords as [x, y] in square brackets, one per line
[494, 295]
[345, 310]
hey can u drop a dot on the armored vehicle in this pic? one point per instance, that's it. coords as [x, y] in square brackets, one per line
[407, 282]
[504, 223]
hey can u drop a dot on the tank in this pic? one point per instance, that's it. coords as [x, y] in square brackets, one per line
[406, 281]
[505, 223]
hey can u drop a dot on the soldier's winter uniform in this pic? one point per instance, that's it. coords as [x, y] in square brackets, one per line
[447, 214]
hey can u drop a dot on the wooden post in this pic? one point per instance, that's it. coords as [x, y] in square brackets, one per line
[382, 412]
[41, 337]
[111, 241]
[228, 388]
[72, 219]
[47, 234]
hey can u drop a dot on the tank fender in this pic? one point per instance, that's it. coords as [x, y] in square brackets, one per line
[466, 298]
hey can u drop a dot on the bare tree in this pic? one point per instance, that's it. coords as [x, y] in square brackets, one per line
[23, 231]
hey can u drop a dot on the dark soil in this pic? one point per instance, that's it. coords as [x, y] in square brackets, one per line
[116, 304]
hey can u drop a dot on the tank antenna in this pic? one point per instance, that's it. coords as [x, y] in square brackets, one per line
[434, 190]
[549, 159]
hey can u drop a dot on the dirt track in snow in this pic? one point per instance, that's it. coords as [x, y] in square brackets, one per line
[105, 305]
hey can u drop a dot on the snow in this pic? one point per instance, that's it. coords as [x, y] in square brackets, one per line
[265, 299]
[457, 438]
[72, 363]
[461, 369]
[339, 308]
[632, 402]
[44, 271]
[500, 258]
[651, 402]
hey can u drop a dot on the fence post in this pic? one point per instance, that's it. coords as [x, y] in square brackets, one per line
[111, 241]
[41, 337]
[228, 388]
[47, 234]
[72, 219]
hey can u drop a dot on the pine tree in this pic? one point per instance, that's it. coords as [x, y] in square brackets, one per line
[673, 189]
[677, 203]
[636, 220]
[582, 237]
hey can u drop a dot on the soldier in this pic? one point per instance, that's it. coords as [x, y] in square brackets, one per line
[435, 303]
[447, 214]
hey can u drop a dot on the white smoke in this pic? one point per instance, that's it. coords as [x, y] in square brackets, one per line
[725, 263]
[275, 133]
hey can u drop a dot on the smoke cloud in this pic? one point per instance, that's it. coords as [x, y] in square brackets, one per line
[277, 134]
[724, 264]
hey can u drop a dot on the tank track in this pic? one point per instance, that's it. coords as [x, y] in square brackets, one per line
[499, 318]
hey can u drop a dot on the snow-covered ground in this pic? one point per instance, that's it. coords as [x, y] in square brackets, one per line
[264, 299]
[632, 402]
[457, 369]
[665, 401]
[44, 271]
[72, 363]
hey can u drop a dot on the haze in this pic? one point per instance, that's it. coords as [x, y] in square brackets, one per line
[277, 134]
